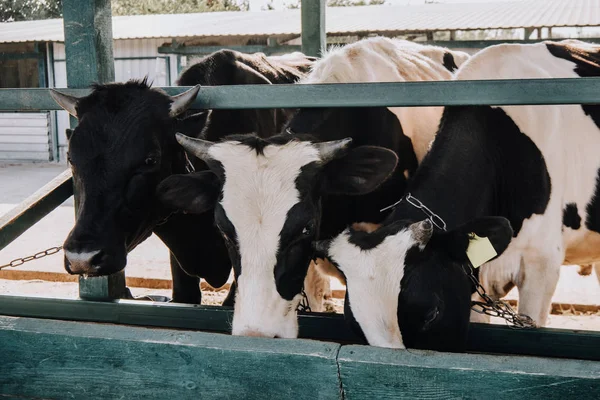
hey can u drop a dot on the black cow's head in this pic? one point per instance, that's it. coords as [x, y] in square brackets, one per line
[267, 194]
[123, 146]
[408, 285]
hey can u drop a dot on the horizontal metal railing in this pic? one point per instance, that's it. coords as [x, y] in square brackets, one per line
[438, 93]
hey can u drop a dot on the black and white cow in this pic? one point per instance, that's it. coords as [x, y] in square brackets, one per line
[525, 177]
[124, 146]
[276, 195]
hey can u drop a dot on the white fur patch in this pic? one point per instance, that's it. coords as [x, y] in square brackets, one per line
[569, 141]
[258, 192]
[80, 261]
[373, 283]
[382, 59]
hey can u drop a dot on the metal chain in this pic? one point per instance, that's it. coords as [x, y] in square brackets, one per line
[497, 308]
[304, 305]
[491, 307]
[20, 261]
[413, 201]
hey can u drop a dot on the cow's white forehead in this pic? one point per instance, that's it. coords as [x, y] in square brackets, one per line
[258, 192]
[379, 262]
[373, 279]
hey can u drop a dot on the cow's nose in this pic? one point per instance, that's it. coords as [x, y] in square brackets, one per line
[84, 262]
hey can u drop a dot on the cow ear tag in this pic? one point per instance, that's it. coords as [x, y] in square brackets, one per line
[480, 250]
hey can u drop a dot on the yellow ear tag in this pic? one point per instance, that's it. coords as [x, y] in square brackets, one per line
[480, 250]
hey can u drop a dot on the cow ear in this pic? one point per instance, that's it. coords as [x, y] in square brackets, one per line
[192, 125]
[495, 229]
[358, 172]
[194, 193]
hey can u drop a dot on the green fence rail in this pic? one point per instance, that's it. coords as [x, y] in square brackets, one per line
[440, 93]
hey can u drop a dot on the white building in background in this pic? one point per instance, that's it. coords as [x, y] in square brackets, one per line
[32, 52]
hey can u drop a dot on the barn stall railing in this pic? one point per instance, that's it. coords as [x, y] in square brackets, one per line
[351, 367]
[456, 93]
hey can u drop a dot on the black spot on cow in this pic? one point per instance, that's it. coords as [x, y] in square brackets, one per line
[449, 63]
[587, 64]
[592, 220]
[496, 163]
[571, 218]
[229, 67]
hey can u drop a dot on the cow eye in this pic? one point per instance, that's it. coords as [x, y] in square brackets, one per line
[150, 161]
[307, 230]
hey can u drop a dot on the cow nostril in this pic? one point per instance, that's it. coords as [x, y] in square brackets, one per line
[84, 262]
[96, 260]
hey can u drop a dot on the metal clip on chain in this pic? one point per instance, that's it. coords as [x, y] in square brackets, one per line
[497, 308]
[20, 261]
[494, 308]
[304, 305]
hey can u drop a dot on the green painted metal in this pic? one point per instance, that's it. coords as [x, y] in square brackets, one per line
[103, 288]
[368, 372]
[40, 49]
[314, 36]
[89, 57]
[58, 360]
[199, 50]
[453, 93]
[35, 207]
[486, 338]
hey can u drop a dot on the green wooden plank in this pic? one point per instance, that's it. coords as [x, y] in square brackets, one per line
[35, 207]
[583, 345]
[56, 360]
[313, 27]
[548, 342]
[103, 288]
[200, 50]
[369, 372]
[89, 57]
[455, 93]
[88, 42]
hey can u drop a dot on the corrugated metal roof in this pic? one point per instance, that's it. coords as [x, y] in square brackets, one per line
[340, 20]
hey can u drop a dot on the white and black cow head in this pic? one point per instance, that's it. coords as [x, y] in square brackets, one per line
[122, 148]
[268, 211]
[407, 284]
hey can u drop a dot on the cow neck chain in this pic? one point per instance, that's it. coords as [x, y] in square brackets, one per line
[489, 306]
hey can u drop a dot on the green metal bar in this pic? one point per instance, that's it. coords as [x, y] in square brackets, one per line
[313, 27]
[198, 50]
[42, 81]
[15, 222]
[453, 93]
[545, 342]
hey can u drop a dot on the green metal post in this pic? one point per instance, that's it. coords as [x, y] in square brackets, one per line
[89, 57]
[313, 27]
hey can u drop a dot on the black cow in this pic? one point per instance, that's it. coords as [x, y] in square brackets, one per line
[124, 146]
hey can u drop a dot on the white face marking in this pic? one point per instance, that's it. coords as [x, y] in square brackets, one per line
[373, 283]
[258, 192]
[80, 261]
